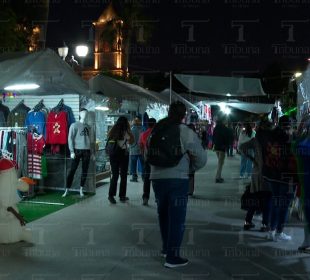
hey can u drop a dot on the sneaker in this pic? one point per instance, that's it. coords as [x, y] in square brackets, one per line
[177, 262]
[123, 199]
[248, 226]
[134, 180]
[163, 254]
[221, 180]
[283, 236]
[271, 235]
[112, 200]
[145, 202]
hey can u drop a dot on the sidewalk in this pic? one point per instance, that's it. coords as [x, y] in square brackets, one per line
[94, 240]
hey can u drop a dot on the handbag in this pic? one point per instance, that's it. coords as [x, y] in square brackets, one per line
[112, 148]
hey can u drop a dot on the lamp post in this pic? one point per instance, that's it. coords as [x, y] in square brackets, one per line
[170, 85]
[82, 52]
[63, 52]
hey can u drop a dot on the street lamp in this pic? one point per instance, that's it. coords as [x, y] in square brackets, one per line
[63, 52]
[82, 52]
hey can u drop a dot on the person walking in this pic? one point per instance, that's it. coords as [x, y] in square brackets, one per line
[246, 163]
[146, 167]
[134, 150]
[170, 185]
[220, 144]
[258, 187]
[121, 134]
[280, 174]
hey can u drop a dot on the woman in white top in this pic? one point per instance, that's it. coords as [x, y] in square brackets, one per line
[246, 164]
[121, 133]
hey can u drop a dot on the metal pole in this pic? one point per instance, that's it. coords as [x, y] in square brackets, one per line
[170, 86]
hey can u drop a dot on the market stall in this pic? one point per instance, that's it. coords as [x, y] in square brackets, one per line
[221, 86]
[34, 87]
[121, 98]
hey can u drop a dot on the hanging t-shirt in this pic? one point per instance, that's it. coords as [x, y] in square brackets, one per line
[35, 143]
[17, 119]
[35, 121]
[2, 119]
[5, 110]
[57, 128]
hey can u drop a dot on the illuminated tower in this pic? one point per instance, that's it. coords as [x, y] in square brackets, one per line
[109, 54]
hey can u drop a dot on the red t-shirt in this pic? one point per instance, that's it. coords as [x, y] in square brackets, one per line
[57, 128]
[143, 138]
[35, 144]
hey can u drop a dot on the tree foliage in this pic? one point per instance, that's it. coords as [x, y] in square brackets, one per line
[17, 20]
[13, 37]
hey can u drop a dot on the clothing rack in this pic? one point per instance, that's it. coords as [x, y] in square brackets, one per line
[14, 128]
[17, 154]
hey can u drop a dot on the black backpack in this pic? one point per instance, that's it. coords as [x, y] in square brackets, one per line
[164, 145]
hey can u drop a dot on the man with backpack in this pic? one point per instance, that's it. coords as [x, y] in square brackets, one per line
[172, 147]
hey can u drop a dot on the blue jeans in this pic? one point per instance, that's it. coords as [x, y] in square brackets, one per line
[282, 196]
[171, 198]
[245, 166]
[134, 165]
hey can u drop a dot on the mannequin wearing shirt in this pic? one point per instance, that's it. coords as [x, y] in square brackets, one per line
[80, 140]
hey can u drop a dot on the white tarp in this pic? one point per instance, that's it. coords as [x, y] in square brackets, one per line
[108, 87]
[224, 86]
[303, 95]
[177, 97]
[45, 68]
[256, 108]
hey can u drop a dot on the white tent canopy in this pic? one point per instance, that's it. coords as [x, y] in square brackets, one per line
[108, 87]
[44, 68]
[224, 86]
[256, 108]
[177, 97]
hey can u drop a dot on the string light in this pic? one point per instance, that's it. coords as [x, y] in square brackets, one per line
[6, 96]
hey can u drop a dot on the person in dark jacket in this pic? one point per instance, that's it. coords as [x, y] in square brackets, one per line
[220, 144]
[280, 173]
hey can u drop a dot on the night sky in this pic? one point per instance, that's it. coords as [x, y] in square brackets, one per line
[214, 37]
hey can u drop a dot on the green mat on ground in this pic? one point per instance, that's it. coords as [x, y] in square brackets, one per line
[31, 208]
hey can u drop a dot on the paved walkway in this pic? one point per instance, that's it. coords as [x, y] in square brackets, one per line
[94, 240]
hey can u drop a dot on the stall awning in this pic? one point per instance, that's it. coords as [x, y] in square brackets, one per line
[256, 108]
[105, 86]
[44, 68]
[177, 97]
[223, 86]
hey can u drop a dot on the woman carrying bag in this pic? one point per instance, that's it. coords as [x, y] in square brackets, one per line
[121, 135]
